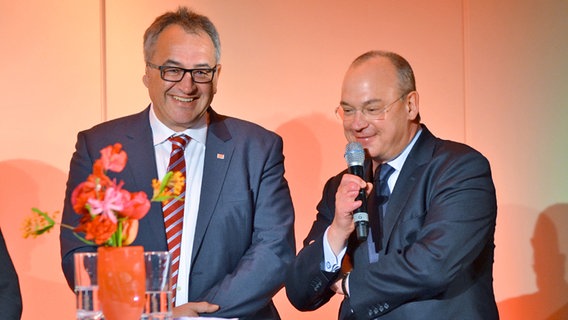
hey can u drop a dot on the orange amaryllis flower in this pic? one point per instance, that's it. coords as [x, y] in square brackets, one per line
[114, 158]
[176, 183]
[38, 223]
[170, 187]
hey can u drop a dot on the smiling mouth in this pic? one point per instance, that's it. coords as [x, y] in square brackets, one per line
[183, 99]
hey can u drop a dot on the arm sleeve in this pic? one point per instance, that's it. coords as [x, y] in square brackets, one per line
[10, 295]
[307, 282]
[261, 270]
[80, 168]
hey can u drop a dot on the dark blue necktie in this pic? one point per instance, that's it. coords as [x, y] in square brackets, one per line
[382, 193]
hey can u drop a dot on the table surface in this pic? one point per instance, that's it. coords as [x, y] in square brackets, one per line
[195, 318]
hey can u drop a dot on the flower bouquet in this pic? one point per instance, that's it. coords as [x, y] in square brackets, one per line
[109, 213]
[109, 219]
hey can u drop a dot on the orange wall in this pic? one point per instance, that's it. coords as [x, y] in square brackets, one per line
[490, 73]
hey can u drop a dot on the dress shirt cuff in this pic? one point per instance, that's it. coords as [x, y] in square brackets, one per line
[331, 263]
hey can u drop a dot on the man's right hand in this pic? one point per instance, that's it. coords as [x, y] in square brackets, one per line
[193, 309]
[345, 203]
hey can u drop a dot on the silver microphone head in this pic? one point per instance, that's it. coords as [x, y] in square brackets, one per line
[354, 154]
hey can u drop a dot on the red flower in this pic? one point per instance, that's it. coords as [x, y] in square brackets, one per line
[83, 192]
[99, 229]
[114, 158]
[136, 206]
[99, 175]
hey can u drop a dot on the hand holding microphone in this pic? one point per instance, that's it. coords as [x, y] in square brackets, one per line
[355, 157]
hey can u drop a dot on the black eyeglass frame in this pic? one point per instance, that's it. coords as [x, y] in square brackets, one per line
[190, 71]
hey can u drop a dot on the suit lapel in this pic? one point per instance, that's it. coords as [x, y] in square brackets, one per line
[141, 168]
[140, 148]
[419, 156]
[218, 153]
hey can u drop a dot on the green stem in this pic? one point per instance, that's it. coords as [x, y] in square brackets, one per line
[118, 234]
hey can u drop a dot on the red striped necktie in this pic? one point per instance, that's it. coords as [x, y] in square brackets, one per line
[173, 209]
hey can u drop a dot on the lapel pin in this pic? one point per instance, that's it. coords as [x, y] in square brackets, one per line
[220, 156]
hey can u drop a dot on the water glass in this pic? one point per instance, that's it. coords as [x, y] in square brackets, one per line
[158, 286]
[86, 287]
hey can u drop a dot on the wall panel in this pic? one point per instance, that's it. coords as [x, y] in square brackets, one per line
[516, 114]
[491, 74]
[51, 88]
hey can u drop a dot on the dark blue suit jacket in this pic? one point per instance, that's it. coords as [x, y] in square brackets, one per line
[244, 240]
[437, 249]
[10, 295]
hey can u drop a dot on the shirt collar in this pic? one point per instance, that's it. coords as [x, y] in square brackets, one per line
[398, 162]
[161, 132]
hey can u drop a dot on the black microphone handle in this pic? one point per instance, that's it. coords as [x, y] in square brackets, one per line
[360, 215]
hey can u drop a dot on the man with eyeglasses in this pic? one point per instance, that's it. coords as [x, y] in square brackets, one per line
[431, 208]
[237, 239]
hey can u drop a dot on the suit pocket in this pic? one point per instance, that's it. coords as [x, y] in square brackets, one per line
[236, 196]
[409, 227]
[235, 212]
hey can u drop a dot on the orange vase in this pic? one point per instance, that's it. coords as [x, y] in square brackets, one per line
[122, 282]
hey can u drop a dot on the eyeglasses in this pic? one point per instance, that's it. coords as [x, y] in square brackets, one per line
[175, 74]
[371, 112]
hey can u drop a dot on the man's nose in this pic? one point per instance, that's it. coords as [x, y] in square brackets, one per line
[359, 120]
[186, 83]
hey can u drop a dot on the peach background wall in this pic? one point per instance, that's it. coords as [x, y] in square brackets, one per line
[492, 74]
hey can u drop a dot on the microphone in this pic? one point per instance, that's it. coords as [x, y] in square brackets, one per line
[355, 157]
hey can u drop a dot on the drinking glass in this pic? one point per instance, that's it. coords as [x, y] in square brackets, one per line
[158, 286]
[86, 287]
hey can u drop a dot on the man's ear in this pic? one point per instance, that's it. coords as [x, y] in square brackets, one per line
[145, 80]
[216, 78]
[412, 105]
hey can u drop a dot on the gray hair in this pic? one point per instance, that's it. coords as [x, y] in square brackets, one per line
[189, 20]
[406, 81]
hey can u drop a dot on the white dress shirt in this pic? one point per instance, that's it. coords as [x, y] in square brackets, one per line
[194, 160]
